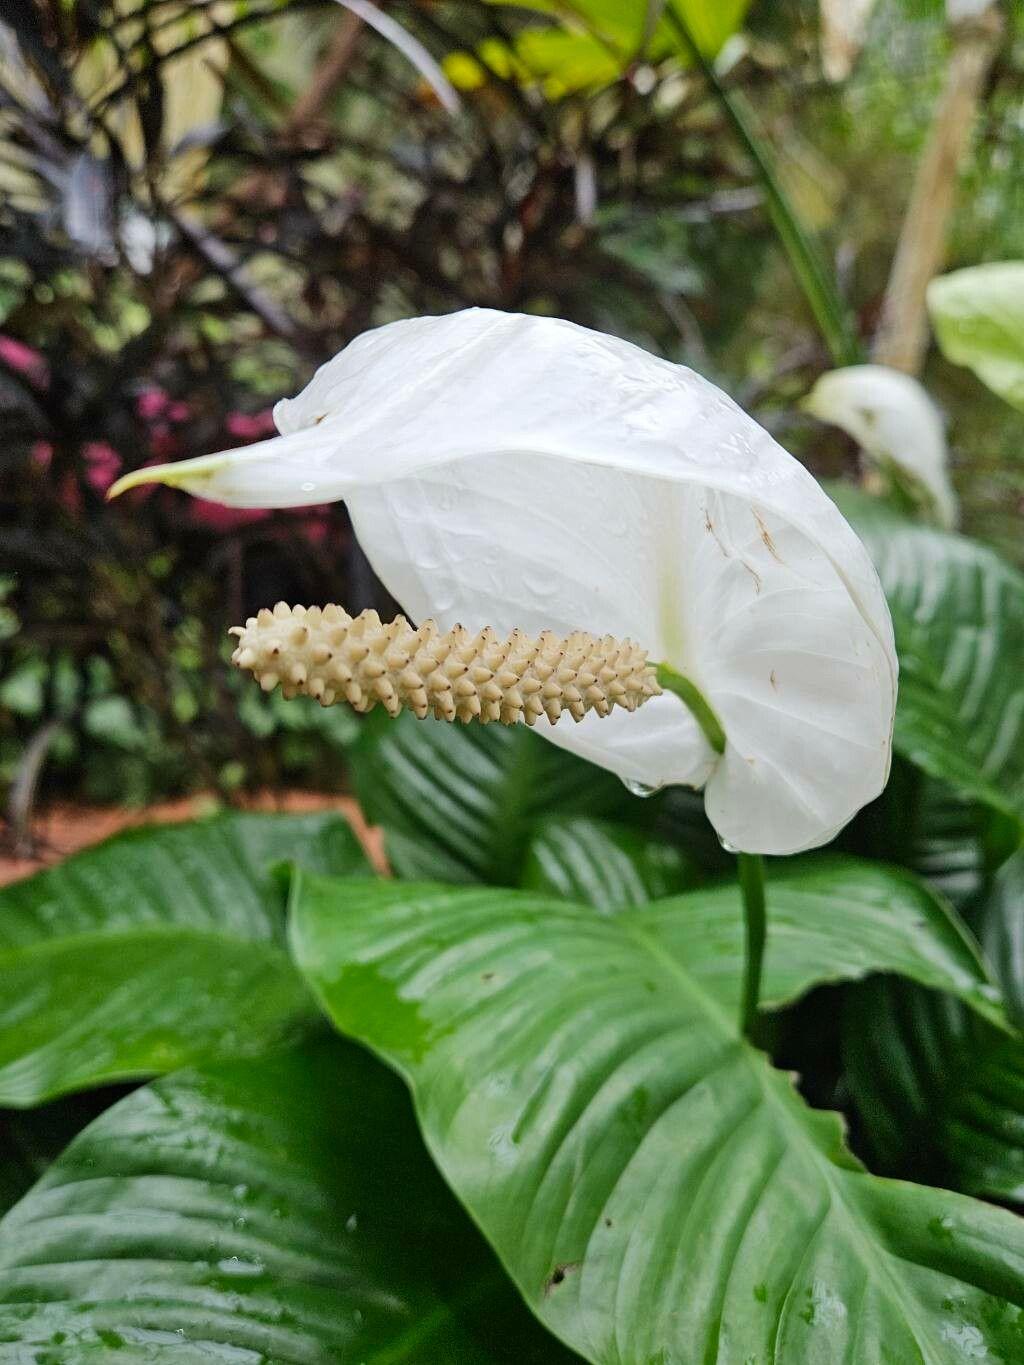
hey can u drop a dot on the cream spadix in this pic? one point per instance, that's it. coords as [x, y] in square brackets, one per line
[453, 675]
[516, 471]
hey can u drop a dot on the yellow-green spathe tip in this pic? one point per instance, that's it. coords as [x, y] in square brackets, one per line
[179, 474]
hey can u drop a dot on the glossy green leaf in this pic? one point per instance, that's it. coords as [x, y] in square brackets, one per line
[939, 1093]
[958, 613]
[657, 1191]
[458, 803]
[160, 947]
[924, 825]
[603, 864]
[1001, 929]
[978, 316]
[280, 1210]
[598, 40]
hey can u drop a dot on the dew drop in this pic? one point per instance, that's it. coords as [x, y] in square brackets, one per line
[636, 788]
[729, 848]
[234, 1265]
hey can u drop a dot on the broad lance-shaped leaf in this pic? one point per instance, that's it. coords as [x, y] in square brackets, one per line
[600, 863]
[940, 1093]
[279, 1210]
[458, 803]
[160, 947]
[951, 842]
[958, 614]
[1000, 925]
[656, 1189]
[935, 1086]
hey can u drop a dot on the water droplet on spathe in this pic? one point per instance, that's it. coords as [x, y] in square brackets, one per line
[234, 1265]
[636, 788]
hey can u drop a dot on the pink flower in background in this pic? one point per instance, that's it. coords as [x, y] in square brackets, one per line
[42, 454]
[178, 412]
[164, 442]
[23, 360]
[69, 495]
[151, 404]
[316, 524]
[216, 517]
[102, 465]
[250, 426]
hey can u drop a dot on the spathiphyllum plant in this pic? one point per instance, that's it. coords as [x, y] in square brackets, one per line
[514, 472]
[615, 583]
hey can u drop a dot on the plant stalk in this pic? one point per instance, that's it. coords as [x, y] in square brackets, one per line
[751, 874]
[695, 702]
[902, 338]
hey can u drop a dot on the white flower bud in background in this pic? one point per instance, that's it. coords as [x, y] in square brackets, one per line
[898, 427]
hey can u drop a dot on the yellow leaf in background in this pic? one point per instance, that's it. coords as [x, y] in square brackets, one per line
[192, 84]
[589, 43]
[469, 72]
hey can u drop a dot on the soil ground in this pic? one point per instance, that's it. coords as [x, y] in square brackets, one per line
[62, 829]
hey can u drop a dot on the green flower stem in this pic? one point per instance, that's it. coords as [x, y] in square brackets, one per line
[751, 871]
[696, 703]
[751, 865]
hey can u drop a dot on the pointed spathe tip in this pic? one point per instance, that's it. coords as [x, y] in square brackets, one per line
[180, 474]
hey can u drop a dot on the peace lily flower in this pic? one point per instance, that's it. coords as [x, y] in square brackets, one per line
[511, 471]
[898, 427]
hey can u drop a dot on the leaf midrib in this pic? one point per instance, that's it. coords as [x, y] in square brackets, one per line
[759, 1067]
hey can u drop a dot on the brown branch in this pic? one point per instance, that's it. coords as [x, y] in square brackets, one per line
[902, 337]
[327, 77]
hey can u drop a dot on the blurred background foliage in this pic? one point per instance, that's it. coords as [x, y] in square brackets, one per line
[201, 202]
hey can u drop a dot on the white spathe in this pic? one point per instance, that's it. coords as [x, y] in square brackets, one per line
[508, 471]
[891, 417]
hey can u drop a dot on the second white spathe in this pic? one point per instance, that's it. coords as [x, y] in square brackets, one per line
[894, 421]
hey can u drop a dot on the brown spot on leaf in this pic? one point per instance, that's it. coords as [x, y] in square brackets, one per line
[558, 1275]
